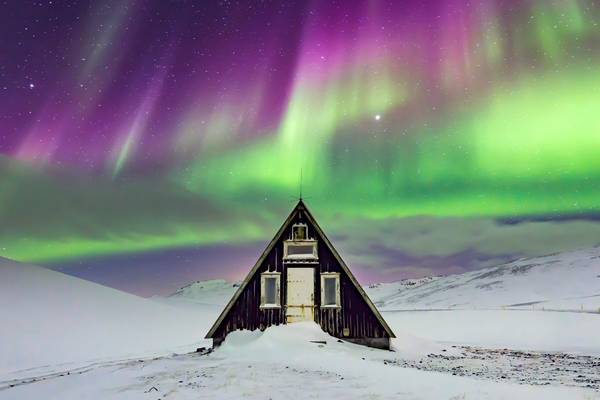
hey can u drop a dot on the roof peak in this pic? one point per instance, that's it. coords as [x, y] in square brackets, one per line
[300, 204]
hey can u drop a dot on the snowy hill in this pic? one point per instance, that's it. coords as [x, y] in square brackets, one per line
[72, 339]
[215, 292]
[564, 281]
[49, 318]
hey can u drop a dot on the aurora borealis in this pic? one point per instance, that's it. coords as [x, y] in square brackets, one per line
[175, 129]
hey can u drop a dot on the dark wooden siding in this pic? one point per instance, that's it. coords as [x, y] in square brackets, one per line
[246, 312]
[354, 314]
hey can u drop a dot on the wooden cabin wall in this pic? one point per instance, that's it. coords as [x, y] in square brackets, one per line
[246, 312]
[354, 313]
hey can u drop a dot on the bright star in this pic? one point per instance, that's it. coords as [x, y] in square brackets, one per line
[377, 117]
[31, 86]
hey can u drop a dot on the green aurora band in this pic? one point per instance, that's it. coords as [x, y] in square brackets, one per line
[508, 126]
[532, 148]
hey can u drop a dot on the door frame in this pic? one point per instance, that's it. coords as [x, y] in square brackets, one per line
[307, 311]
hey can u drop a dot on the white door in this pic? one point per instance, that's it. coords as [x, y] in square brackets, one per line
[300, 294]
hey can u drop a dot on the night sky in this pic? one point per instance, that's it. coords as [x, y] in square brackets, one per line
[145, 144]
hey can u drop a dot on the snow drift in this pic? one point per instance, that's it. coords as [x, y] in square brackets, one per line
[287, 361]
[49, 318]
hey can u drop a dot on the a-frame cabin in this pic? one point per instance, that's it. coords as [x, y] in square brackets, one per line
[300, 276]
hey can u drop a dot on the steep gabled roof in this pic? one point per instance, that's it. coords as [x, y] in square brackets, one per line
[299, 207]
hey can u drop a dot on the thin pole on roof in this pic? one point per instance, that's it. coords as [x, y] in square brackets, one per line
[300, 197]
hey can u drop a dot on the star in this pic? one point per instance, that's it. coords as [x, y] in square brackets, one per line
[31, 86]
[377, 117]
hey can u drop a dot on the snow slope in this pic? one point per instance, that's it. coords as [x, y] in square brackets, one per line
[293, 361]
[564, 281]
[83, 340]
[51, 320]
[211, 292]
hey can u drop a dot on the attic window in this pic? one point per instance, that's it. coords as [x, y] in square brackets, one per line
[300, 250]
[299, 232]
[330, 290]
[269, 290]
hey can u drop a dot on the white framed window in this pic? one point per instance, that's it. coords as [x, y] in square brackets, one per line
[330, 290]
[299, 232]
[270, 290]
[300, 250]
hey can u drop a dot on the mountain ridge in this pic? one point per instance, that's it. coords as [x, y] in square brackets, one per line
[558, 281]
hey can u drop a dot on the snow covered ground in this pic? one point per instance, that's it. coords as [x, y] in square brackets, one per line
[515, 329]
[53, 321]
[280, 363]
[64, 338]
